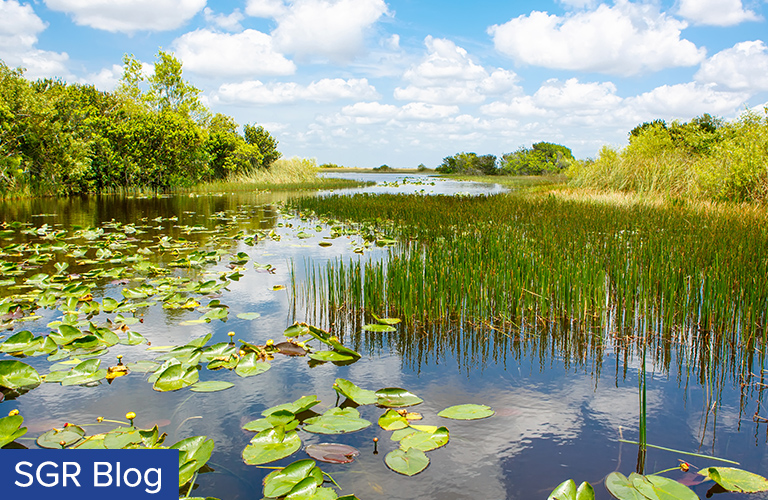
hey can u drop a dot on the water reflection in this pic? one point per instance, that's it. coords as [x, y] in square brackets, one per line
[564, 392]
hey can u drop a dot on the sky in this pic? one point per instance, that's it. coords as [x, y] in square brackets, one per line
[362, 83]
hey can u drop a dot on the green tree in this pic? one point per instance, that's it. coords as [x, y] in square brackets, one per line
[542, 158]
[468, 163]
[267, 145]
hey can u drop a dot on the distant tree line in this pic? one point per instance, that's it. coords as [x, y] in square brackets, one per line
[542, 158]
[151, 132]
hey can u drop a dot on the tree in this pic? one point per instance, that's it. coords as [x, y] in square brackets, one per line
[542, 158]
[468, 163]
[259, 137]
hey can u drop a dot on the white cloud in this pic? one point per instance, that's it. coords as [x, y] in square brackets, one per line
[250, 52]
[742, 67]
[685, 101]
[325, 90]
[331, 29]
[447, 75]
[520, 106]
[265, 8]
[106, 79]
[624, 39]
[129, 16]
[19, 27]
[598, 97]
[716, 12]
[579, 4]
[229, 22]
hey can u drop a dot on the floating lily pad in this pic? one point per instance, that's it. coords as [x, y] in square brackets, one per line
[395, 397]
[736, 480]
[467, 412]
[11, 429]
[332, 453]
[386, 321]
[567, 491]
[426, 441]
[17, 375]
[175, 377]
[302, 404]
[194, 453]
[249, 365]
[211, 386]
[638, 487]
[392, 421]
[249, 316]
[270, 445]
[281, 482]
[332, 356]
[379, 328]
[355, 393]
[84, 373]
[282, 418]
[407, 462]
[54, 438]
[336, 421]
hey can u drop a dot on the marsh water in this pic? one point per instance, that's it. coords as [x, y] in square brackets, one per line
[564, 398]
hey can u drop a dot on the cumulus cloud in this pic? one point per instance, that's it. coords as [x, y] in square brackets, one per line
[331, 29]
[230, 22]
[686, 100]
[519, 106]
[265, 8]
[743, 67]
[716, 12]
[447, 75]
[129, 16]
[624, 39]
[19, 27]
[572, 94]
[106, 79]
[325, 90]
[250, 52]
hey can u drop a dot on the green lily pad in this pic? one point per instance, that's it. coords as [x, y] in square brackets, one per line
[281, 482]
[732, 479]
[11, 429]
[249, 316]
[54, 438]
[425, 441]
[394, 397]
[211, 386]
[387, 321]
[175, 377]
[308, 489]
[467, 412]
[249, 365]
[302, 404]
[567, 491]
[336, 421]
[84, 373]
[392, 421]
[355, 393]
[17, 375]
[194, 453]
[19, 342]
[270, 445]
[330, 356]
[638, 487]
[407, 462]
[282, 418]
[296, 330]
[379, 328]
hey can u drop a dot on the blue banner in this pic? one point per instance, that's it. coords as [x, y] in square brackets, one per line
[89, 474]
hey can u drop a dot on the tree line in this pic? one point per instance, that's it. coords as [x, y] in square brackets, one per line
[151, 132]
[542, 158]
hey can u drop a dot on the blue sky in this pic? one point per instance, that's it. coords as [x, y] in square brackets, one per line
[403, 82]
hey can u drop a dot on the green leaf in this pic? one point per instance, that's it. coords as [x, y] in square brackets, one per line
[282, 418]
[211, 386]
[353, 392]
[11, 429]
[249, 365]
[394, 397]
[621, 487]
[281, 482]
[175, 377]
[407, 462]
[66, 335]
[249, 316]
[379, 328]
[661, 487]
[296, 330]
[330, 356]
[737, 480]
[84, 373]
[336, 421]
[16, 375]
[69, 435]
[467, 412]
[270, 445]
[19, 342]
[304, 403]
[392, 421]
[194, 452]
[567, 491]
[426, 441]
[386, 321]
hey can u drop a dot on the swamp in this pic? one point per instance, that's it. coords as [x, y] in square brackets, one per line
[451, 340]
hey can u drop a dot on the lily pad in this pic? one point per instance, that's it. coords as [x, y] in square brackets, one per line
[332, 453]
[270, 445]
[84, 373]
[379, 328]
[281, 482]
[567, 491]
[302, 404]
[407, 462]
[425, 441]
[249, 316]
[392, 421]
[175, 377]
[732, 479]
[395, 397]
[194, 453]
[54, 438]
[283, 418]
[637, 487]
[386, 321]
[467, 412]
[336, 421]
[11, 429]
[355, 393]
[249, 365]
[330, 356]
[17, 375]
[211, 386]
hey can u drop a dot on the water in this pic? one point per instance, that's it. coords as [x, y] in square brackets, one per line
[561, 410]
